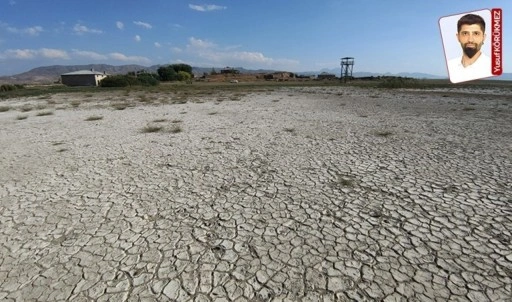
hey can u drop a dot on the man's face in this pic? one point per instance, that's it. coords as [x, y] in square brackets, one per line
[471, 38]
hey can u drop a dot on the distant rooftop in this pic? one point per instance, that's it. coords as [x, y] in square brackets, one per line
[81, 72]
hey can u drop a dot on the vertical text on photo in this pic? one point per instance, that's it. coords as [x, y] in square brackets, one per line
[496, 41]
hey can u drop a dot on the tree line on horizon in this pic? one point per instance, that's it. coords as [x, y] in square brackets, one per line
[168, 73]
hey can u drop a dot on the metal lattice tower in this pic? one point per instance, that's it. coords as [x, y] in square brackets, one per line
[347, 64]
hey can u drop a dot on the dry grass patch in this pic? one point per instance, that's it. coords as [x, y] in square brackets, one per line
[180, 101]
[120, 106]
[26, 108]
[21, 117]
[289, 130]
[152, 129]
[160, 120]
[237, 97]
[94, 118]
[4, 108]
[346, 182]
[175, 129]
[44, 113]
[40, 106]
[383, 133]
[144, 99]
[75, 103]
[343, 181]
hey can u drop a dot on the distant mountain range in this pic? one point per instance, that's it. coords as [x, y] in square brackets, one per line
[416, 75]
[51, 74]
[360, 74]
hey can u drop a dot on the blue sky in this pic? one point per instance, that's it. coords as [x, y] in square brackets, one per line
[291, 35]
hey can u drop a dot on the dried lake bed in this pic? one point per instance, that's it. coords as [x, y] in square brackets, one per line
[286, 194]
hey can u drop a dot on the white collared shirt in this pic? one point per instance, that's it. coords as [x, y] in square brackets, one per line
[481, 68]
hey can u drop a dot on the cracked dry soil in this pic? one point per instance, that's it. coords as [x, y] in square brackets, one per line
[296, 194]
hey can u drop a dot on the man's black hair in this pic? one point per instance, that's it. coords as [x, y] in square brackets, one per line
[471, 19]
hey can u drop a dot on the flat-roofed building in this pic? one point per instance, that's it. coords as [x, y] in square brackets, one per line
[82, 78]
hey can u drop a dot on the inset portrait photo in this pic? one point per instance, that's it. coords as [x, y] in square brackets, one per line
[467, 45]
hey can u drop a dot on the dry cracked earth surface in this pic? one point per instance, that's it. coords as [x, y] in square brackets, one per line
[289, 194]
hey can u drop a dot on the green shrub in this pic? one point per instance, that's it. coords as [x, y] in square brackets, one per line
[116, 81]
[184, 76]
[147, 79]
[400, 82]
[144, 79]
[182, 67]
[175, 72]
[167, 73]
[9, 87]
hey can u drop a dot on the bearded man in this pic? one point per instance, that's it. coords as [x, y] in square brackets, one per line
[473, 64]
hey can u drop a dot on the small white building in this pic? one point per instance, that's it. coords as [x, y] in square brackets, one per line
[82, 78]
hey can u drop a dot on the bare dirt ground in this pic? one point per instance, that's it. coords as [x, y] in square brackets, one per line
[290, 194]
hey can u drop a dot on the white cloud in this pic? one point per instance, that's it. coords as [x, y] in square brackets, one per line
[21, 54]
[124, 58]
[89, 54]
[82, 29]
[137, 38]
[75, 54]
[113, 56]
[31, 31]
[120, 25]
[26, 54]
[198, 43]
[253, 57]
[215, 56]
[53, 53]
[206, 7]
[176, 49]
[157, 45]
[143, 24]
